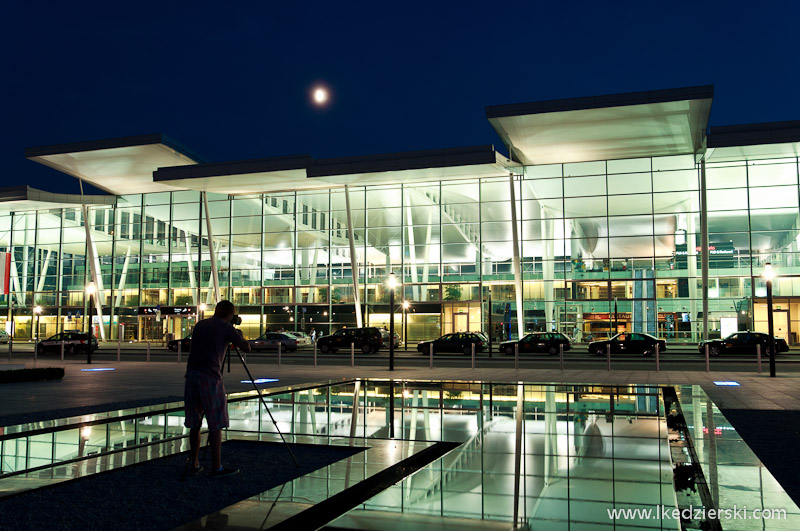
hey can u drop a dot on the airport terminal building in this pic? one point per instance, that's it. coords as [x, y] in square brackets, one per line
[622, 212]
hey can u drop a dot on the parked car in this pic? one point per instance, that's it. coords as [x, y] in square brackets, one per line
[742, 343]
[385, 336]
[368, 339]
[628, 342]
[4, 336]
[271, 340]
[303, 339]
[186, 343]
[457, 342]
[549, 342]
[74, 342]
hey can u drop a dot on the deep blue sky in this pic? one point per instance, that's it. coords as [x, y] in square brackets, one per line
[231, 81]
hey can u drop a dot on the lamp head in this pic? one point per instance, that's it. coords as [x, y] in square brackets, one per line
[406, 305]
[90, 288]
[768, 273]
[392, 282]
[37, 309]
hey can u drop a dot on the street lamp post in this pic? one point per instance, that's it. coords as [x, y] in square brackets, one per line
[490, 322]
[768, 275]
[392, 284]
[202, 310]
[406, 306]
[38, 311]
[90, 290]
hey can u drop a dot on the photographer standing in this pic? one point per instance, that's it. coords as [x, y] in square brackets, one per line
[204, 393]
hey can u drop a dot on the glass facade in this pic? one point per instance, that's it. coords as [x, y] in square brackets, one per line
[605, 246]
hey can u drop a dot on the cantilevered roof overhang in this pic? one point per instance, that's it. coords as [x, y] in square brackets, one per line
[239, 177]
[119, 165]
[754, 141]
[304, 173]
[619, 126]
[23, 198]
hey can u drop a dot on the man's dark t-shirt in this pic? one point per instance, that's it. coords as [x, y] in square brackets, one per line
[210, 339]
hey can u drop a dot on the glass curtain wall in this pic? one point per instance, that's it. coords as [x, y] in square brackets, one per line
[605, 246]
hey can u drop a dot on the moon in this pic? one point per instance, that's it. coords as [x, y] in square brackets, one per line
[320, 95]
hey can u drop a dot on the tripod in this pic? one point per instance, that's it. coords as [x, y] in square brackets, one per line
[263, 402]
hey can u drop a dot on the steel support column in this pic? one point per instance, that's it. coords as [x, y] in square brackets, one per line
[517, 267]
[211, 251]
[353, 258]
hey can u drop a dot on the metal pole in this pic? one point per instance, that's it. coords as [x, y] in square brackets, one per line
[658, 362]
[315, 353]
[758, 357]
[119, 339]
[473, 355]
[516, 356]
[279, 352]
[771, 330]
[704, 245]
[352, 354]
[431, 355]
[91, 332]
[148, 351]
[708, 364]
[608, 357]
[490, 322]
[561, 355]
[391, 328]
[179, 349]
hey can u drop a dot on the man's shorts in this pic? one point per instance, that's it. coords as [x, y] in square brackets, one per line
[205, 395]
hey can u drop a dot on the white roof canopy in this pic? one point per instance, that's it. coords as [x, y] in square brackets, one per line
[621, 126]
[304, 173]
[23, 198]
[119, 166]
[754, 141]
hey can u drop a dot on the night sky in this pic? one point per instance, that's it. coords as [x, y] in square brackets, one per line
[232, 80]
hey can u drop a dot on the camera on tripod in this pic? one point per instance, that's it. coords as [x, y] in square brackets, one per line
[236, 320]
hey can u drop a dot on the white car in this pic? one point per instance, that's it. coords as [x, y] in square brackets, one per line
[4, 336]
[303, 339]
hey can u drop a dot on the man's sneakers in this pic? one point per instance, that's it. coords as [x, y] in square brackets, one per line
[224, 472]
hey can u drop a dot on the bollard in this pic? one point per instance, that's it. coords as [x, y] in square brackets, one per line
[315, 354]
[516, 356]
[148, 352]
[658, 363]
[561, 355]
[35, 351]
[608, 357]
[352, 354]
[62, 350]
[431, 355]
[473, 355]
[708, 364]
[119, 344]
[758, 356]
[279, 352]
[179, 350]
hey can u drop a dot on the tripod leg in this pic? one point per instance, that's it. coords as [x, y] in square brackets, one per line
[247, 370]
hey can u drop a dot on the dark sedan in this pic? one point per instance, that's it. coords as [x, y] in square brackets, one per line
[742, 343]
[549, 342]
[459, 342]
[628, 342]
[185, 343]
